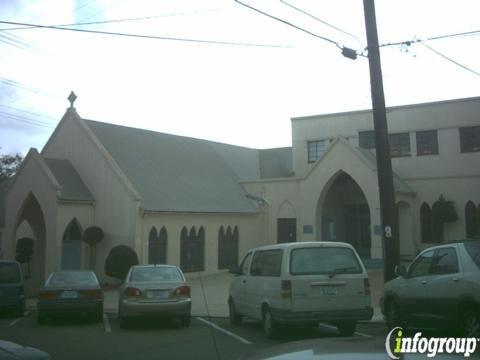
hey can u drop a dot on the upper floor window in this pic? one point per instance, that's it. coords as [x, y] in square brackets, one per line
[470, 139]
[366, 139]
[427, 142]
[315, 150]
[399, 144]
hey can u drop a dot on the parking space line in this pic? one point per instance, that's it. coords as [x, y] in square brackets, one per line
[15, 321]
[335, 328]
[106, 323]
[215, 326]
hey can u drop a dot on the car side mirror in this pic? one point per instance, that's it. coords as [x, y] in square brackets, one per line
[400, 270]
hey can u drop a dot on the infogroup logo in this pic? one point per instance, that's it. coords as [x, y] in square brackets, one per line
[396, 344]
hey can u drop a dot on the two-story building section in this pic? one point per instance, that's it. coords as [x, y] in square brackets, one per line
[201, 204]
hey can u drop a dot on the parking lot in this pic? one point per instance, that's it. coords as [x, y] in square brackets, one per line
[206, 338]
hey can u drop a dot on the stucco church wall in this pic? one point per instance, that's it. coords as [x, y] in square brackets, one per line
[458, 190]
[116, 210]
[446, 117]
[250, 229]
[32, 179]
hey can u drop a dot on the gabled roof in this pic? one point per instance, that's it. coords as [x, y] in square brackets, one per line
[180, 174]
[398, 184]
[72, 186]
[276, 163]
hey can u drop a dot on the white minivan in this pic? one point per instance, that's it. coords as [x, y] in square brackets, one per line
[301, 283]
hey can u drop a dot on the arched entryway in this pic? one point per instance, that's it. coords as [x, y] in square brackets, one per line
[32, 214]
[345, 214]
[72, 246]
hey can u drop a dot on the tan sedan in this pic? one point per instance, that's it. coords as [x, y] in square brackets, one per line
[154, 290]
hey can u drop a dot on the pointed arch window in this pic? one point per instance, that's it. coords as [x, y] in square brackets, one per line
[192, 249]
[157, 246]
[228, 248]
[472, 220]
[426, 223]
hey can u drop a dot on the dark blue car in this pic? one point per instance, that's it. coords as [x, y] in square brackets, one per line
[12, 295]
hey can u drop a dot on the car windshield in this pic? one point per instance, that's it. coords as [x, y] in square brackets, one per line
[324, 260]
[72, 278]
[473, 249]
[156, 274]
[9, 273]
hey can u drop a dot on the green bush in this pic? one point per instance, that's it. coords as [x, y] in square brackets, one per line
[119, 261]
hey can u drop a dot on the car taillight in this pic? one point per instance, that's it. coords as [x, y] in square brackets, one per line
[47, 295]
[286, 289]
[183, 291]
[366, 285]
[93, 294]
[131, 291]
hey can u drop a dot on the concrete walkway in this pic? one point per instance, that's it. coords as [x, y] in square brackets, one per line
[210, 293]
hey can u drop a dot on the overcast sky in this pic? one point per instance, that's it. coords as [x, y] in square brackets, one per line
[243, 93]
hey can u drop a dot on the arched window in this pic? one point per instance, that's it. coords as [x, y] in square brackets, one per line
[437, 223]
[472, 220]
[152, 246]
[228, 248]
[221, 248]
[426, 223]
[157, 246]
[192, 250]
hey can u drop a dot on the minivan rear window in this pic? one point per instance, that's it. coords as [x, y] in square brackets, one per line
[323, 260]
[9, 273]
[473, 249]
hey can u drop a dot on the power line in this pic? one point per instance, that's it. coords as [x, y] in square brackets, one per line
[321, 21]
[450, 60]
[215, 42]
[24, 120]
[413, 41]
[28, 112]
[290, 24]
[114, 20]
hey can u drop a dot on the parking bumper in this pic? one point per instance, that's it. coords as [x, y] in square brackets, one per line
[133, 308]
[290, 317]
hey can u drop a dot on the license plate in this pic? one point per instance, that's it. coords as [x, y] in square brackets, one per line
[325, 290]
[69, 294]
[157, 294]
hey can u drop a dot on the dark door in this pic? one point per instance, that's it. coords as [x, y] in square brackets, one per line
[357, 228]
[286, 230]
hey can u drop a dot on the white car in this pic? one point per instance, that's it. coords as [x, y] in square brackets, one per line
[301, 283]
[440, 290]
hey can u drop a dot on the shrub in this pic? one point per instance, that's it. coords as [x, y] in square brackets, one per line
[119, 261]
[24, 250]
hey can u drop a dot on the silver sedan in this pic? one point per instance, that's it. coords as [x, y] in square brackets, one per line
[154, 290]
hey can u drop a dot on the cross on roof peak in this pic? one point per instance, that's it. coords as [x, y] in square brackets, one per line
[72, 97]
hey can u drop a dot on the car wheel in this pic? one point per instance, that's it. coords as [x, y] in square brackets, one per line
[269, 326]
[470, 324]
[392, 315]
[235, 318]
[347, 328]
[186, 320]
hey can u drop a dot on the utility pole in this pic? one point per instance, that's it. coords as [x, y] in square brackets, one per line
[390, 233]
